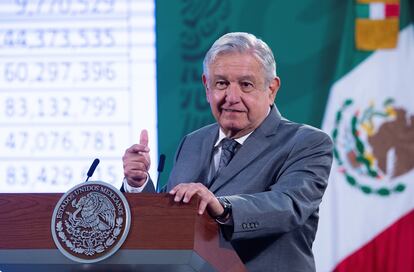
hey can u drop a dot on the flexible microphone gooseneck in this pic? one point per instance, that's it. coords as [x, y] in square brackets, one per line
[160, 168]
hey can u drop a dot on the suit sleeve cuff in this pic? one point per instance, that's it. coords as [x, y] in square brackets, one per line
[130, 189]
[226, 222]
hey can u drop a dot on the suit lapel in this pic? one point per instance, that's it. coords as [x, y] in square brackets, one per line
[255, 144]
[206, 153]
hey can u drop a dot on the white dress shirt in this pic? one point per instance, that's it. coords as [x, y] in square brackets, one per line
[217, 151]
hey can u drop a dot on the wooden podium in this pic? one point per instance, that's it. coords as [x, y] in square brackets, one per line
[164, 236]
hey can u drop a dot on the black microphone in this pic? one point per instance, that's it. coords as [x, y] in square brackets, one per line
[160, 168]
[92, 169]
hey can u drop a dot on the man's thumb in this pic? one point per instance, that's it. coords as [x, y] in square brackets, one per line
[143, 138]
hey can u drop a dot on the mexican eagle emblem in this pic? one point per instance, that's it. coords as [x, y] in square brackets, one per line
[374, 147]
[90, 222]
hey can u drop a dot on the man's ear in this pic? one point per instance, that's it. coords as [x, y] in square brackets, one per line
[204, 79]
[273, 88]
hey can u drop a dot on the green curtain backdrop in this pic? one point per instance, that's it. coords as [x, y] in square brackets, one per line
[305, 37]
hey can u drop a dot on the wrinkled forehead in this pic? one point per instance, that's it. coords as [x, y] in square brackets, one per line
[234, 54]
[241, 64]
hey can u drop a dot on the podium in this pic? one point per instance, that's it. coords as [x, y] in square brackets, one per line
[163, 236]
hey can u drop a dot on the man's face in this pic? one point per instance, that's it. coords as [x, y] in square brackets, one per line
[238, 94]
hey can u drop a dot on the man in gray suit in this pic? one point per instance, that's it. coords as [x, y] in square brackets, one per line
[262, 177]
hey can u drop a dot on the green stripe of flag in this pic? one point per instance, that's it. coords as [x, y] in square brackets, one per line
[362, 11]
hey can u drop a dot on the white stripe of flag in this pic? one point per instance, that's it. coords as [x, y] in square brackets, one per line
[377, 11]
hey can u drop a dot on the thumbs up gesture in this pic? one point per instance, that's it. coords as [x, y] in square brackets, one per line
[137, 161]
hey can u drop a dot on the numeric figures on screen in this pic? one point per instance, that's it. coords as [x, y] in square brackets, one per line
[63, 7]
[62, 107]
[32, 176]
[71, 75]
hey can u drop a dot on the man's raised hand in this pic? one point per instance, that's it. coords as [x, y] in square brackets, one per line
[137, 161]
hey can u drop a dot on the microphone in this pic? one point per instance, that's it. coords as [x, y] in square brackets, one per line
[160, 168]
[92, 169]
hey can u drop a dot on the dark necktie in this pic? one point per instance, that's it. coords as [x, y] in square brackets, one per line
[228, 148]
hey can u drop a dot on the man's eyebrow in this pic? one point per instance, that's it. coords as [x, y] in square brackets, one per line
[219, 77]
[247, 77]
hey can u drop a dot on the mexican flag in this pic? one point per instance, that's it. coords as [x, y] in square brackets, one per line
[367, 214]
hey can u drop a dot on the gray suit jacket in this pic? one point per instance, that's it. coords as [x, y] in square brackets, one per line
[275, 183]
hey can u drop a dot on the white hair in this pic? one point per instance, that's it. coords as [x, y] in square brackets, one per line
[242, 42]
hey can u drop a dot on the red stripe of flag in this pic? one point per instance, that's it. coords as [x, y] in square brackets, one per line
[392, 10]
[392, 250]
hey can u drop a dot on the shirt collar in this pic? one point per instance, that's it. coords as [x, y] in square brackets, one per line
[239, 140]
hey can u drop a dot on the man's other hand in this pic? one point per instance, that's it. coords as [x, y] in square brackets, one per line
[185, 191]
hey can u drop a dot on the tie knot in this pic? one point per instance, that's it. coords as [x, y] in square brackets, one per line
[228, 148]
[229, 144]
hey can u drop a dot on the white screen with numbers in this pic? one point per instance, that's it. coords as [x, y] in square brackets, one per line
[77, 82]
